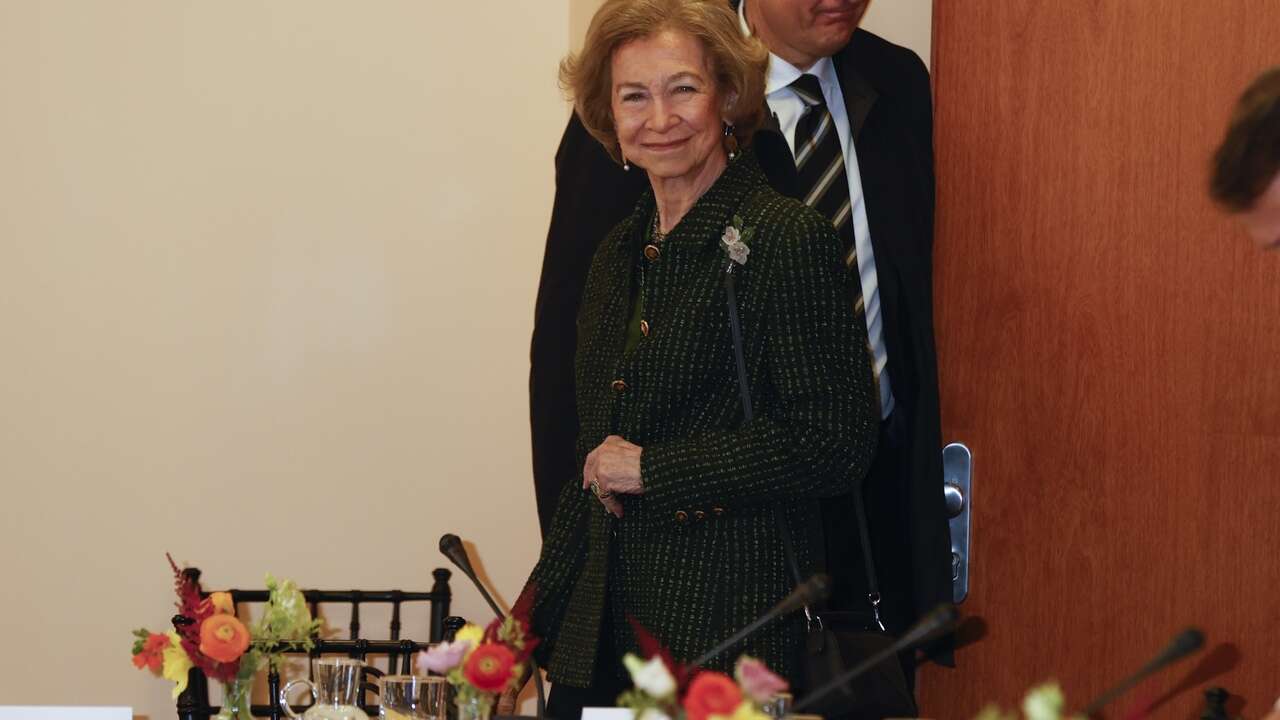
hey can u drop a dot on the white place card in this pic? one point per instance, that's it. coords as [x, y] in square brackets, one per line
[607, 713]
[50, 712]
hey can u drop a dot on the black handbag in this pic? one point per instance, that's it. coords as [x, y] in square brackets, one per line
[837, 640]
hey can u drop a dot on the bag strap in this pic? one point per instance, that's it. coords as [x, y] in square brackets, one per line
[860, 513]
[735, 327]
[864, 537]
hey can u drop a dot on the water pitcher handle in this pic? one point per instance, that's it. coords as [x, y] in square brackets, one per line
[284, 695]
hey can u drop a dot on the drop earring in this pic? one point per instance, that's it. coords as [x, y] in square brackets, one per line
[625, 165]
[730, 141]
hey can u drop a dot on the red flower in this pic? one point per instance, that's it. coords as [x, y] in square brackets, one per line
[711, 693]
[489, 667]
[192, 612]
[151, 655]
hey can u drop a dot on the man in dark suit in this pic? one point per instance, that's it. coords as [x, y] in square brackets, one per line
[878, 99]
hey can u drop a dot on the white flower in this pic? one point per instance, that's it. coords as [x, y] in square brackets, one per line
[1043, 703]
[737, 249]
[651, 678]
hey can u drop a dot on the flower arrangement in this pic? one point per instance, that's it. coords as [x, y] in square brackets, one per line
[480, 663]
[208, 635]
[665, 691]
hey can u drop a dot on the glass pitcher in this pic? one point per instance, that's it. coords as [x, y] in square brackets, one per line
[335, 692]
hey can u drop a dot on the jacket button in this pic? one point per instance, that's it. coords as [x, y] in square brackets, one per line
[699, 515]
[682, 516]
[717, 511]
[644, 328]
[618, 385]
[652, 252]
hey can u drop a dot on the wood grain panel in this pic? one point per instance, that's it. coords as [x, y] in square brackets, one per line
[1109, 347]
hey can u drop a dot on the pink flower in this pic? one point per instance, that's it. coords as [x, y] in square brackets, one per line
[443, 657]
[757, 681]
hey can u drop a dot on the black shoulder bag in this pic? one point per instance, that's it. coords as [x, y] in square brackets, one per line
[835, 641]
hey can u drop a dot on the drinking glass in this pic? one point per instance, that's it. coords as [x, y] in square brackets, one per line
[414, 697]
[779, 706]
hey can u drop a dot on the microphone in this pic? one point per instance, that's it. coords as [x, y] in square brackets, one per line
[940, 620]
[1182, 645]
[810, 592]
[451, 547]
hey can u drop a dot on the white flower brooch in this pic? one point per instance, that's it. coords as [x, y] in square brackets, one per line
[734, 242]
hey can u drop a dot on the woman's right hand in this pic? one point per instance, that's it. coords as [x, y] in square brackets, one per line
[613, 468]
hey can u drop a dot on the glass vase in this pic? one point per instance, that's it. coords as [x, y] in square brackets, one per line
[474, 706]
[236, 696]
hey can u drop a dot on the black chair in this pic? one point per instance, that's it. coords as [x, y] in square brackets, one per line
[193, 703]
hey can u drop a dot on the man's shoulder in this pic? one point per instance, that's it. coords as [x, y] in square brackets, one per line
[888, 67]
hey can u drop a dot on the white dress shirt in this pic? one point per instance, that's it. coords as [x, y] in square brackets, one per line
[788, 108]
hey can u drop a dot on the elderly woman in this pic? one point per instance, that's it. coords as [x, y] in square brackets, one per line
[671, 522]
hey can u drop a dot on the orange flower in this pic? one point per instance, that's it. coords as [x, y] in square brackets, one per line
[711, 693]
[151, 654]
[223, 638]
[489, 667]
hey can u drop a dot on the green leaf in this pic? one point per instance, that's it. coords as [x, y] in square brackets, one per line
[140, 639]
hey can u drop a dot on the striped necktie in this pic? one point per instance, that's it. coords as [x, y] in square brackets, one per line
[821, 168]
[820, 164]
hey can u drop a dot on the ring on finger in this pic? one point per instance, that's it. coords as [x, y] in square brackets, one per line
[595, 489]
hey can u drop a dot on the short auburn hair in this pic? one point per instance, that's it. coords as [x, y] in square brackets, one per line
[1249, 158]
[737, 62]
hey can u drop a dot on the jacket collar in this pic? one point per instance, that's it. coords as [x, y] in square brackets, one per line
[706, 220]
[859, 94]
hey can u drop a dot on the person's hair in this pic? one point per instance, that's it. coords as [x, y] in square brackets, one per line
[737, 62]
[1249, 157]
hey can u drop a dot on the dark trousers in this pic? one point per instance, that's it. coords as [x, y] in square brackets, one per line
[884, 494]
[566, 702]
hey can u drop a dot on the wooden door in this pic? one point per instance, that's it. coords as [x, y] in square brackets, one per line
[1109, 346]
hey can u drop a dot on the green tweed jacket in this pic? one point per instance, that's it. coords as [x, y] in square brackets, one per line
[698, 555]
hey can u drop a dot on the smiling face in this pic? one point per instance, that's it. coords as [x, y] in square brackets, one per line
[804, 31]
[667, 110]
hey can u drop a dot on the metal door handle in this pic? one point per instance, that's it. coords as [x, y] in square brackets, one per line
[957, 489]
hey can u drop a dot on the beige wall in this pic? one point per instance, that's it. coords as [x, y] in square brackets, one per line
[267, 273]
[906, 22]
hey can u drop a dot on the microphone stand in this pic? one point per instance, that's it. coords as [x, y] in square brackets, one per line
[1182, 645]
[451, 546]
[811, 591]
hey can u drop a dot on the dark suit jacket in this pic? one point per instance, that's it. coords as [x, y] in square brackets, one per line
[698, 555]
[886, 90]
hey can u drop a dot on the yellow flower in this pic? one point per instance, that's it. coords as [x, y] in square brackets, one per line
[473, 634]
[746, 710]
[221, 602]
[176, 664]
